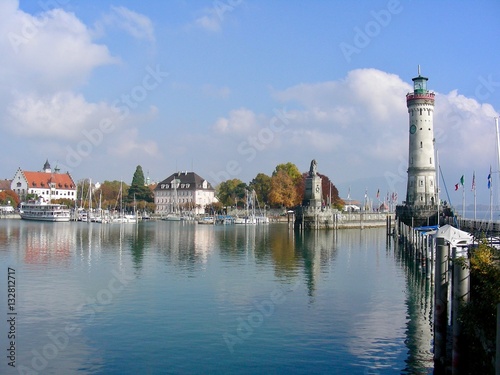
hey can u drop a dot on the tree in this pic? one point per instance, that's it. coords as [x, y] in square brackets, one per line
[291, 170]
[231, 191]
[283, 190]
[262, 186]
[287, 187]
[110, 191]
[138, 191]
[479, 315]
[9, 197]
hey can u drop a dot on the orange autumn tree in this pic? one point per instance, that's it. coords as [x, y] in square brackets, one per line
[7, 196]
[285, 186]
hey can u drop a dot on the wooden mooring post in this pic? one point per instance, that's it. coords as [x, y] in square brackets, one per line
[461, 288]
[497, 358]
[440, 304]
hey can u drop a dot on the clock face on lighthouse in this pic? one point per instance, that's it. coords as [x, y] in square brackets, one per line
[413, 129]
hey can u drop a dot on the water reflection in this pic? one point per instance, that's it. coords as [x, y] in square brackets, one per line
[346, 304]
[419, 296]
[317, 251]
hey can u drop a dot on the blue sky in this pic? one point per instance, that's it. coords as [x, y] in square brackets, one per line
[231, 88]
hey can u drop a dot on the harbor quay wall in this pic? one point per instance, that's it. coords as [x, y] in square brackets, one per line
[364, 219]
[4, 215]
[327, 218]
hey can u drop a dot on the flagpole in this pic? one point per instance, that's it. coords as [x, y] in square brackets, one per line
[474, 189]
[491, 195]
[463, 201]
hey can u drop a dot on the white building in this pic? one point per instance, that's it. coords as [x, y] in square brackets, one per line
[186, 191]
[46, 184]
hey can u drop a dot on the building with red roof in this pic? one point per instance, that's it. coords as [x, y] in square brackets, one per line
[46, 184]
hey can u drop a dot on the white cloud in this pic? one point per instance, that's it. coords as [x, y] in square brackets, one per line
[62, 115]
[465, 131]
[46, 58]
[240, 121]
[128, 144]
[209, 22]
[51, 51]
[211, 19]
[137, 25]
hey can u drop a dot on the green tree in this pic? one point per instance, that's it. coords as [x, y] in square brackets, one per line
[138, 191]
[291, 170]
[262, 186]
[231, 191]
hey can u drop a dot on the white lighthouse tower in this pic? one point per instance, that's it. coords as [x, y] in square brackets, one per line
[421, 204]
[421, 189]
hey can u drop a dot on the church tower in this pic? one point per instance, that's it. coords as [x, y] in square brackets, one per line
[421, 190]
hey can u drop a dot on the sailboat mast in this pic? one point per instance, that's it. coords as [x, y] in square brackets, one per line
[90, 200]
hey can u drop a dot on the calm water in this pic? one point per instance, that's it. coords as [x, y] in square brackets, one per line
[176, 298]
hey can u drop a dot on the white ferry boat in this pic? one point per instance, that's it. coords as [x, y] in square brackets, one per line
[44, 211]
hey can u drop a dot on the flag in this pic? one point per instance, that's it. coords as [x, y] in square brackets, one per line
[456, 187]
[473, 181]
[349, 193]
[378, 193]
[462, 180]
[489, 179]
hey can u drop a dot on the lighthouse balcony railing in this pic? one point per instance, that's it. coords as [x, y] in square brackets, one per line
[427, 95]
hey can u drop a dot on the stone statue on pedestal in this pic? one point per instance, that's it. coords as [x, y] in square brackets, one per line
[312, 194]
[313, 168]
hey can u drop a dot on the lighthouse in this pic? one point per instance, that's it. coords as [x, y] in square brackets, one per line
[421, 188]
[421, 191]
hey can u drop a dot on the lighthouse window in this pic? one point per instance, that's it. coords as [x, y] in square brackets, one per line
[421, 183]
[421, 145]
[430, 160]
[420, 111]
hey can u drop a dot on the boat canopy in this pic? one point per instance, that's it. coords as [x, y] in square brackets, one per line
[454, 236]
